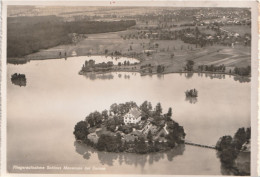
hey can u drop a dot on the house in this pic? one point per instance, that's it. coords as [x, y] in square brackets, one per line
[133, 116]
[149, 127]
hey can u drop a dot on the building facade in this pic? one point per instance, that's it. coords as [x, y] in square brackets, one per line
[133, 116]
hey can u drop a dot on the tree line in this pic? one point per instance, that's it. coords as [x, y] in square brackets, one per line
[243, 71]
[26, 35]
[212, 68]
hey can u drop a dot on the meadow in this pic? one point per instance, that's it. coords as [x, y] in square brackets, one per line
[171, 53]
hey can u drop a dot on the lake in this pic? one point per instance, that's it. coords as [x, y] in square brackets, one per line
[41, 117]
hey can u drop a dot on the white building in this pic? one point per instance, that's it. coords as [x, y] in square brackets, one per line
[133, 116]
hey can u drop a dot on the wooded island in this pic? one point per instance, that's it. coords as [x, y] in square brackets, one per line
[127, 127]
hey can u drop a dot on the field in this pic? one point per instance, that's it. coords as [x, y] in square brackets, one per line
[241, 30]
[26, 35]
[161, 51]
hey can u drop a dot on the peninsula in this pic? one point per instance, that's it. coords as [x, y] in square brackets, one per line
[234, 152]
[127, 127]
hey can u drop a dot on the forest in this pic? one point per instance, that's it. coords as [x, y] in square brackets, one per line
[26, 35]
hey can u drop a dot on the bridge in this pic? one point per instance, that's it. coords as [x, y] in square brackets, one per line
[199, 145]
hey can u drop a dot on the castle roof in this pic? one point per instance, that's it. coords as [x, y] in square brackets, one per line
[135, 112]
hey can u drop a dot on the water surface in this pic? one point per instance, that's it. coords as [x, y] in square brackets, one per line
[41, 116]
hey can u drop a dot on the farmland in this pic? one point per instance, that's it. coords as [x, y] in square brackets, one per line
[155, 39]
[96, 44]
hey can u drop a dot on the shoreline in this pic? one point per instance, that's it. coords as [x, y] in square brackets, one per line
[140, 59]
[169, 72]
[45, 57]
[26, 59]
[81, 142]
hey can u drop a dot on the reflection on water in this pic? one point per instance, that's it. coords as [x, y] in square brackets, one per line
[227, 171]
[94, 76]
[31, 116]
[242, 79]
[192, 100]
[189, 75]
[160, 76]
[215, 76]
[127, 76]
[223, 76]
[105, 76]
[110, 76]
[240, 166]
[108, 158]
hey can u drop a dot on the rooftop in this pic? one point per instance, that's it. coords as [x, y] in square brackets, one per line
[135, 112]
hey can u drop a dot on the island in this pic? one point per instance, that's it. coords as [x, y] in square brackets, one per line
[234, 152]
[127, 127]
[18, 79]
[191, 93]
[90, 66]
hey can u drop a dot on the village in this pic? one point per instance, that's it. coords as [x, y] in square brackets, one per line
[130, 128]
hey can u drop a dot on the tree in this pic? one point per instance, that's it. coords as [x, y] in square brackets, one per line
[160, 68]
[118, 140]
[189, 65]
[240, 138]
[169, 114]
[141, 146]
[97, 117]
[227, 156]
[114, 108]
[108, 143]
[119, 64]
[106, 51]
[150, 137]
[248, 133]
[90, 121]
[105, 114]
[125, 145]
[150, 107]
[156, 145]
[144, 107]
[111, 125]
[158, 109]
[81, 130]
[101, 144]
[224, 142]
[229, 147]
[171, 139]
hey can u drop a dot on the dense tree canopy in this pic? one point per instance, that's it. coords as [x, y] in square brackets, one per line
[189, 65]
[81, 130]
[26, 35]
[230, 147]
[110, 133]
